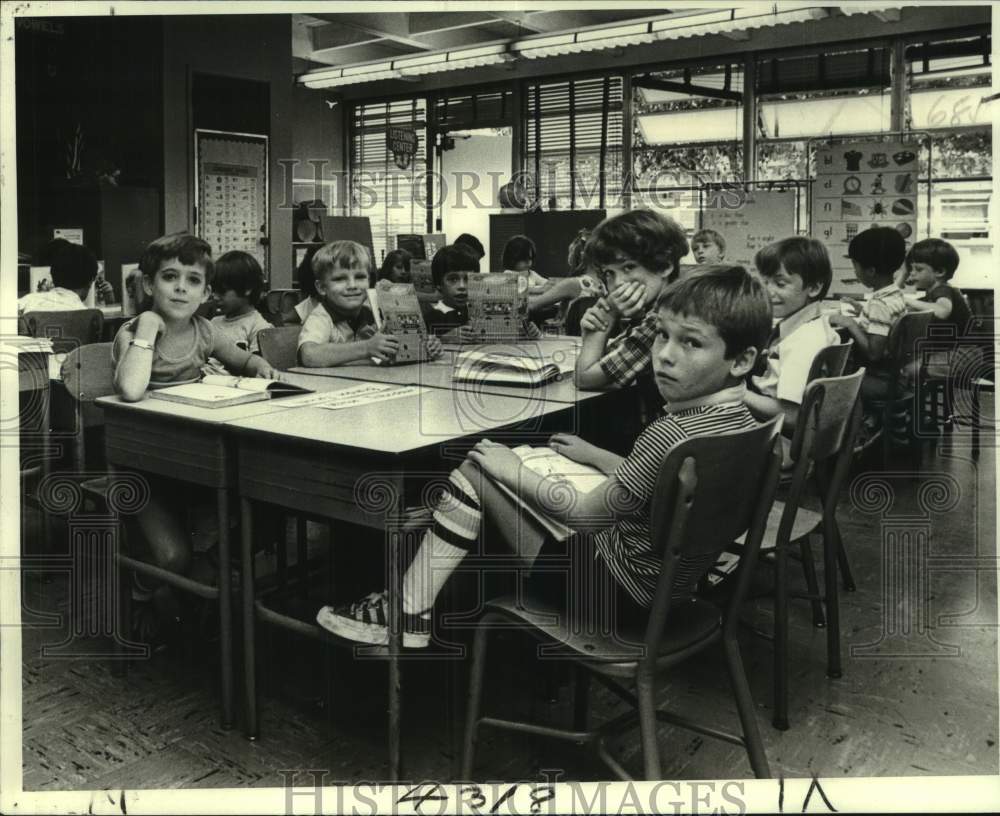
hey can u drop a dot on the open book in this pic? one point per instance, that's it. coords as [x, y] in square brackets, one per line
[509, 369]
[548, 462]
[222, 391]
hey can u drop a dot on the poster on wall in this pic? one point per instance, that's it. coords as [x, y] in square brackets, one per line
[231, 192]
[859, 185]
[749, 219]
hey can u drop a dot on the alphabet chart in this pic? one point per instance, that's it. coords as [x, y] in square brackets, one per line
[859, 185]
[232, 192]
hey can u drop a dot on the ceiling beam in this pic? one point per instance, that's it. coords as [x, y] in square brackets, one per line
[524, 19]
[395, 26]
[686, 88]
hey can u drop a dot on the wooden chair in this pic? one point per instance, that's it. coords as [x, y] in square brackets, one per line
[67, 329]
[822, 446]
[830, 361]
[280, 346]
[277, 303]
[87, 375]
[904, 353]
[699, 502]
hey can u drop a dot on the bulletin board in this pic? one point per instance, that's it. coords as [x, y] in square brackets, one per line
[231, 191]
[750, 216]
[862, 183]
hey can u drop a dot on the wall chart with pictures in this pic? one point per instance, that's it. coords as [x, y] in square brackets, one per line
[859, 185]
[231, 188]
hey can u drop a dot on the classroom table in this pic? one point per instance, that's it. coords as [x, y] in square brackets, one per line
[350, 465]
[189, 443]
[440, 373]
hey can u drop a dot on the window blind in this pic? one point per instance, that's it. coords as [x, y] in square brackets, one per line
[393, 199]
[573, 142]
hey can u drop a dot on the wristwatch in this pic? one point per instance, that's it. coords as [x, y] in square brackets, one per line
[145, 344]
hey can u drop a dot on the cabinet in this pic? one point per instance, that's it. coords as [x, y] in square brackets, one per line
[552, 232]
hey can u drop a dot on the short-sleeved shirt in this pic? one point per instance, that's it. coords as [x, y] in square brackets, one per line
[171, 370]
[960, 315]
[627, 547]
[630, 353]
[54, 300]
[321, 327]
[882, 310]
[242, 330]
[798, 339]
[305, 308]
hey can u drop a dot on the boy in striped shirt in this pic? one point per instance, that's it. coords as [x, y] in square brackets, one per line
[709, 330]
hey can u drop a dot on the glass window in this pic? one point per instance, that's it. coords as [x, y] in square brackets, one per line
[393, 198]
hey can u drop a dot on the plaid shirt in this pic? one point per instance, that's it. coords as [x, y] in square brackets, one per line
[630, 353]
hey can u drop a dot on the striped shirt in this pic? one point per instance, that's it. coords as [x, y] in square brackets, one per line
[627, 547]
[882, 310]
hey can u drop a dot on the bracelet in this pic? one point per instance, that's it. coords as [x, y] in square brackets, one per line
[143, 344]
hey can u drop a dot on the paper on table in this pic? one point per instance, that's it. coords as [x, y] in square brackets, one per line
[356, 396]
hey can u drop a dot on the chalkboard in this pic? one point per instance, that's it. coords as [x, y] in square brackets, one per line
[749, 219]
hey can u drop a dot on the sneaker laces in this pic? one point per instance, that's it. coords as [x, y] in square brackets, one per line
[369, 601]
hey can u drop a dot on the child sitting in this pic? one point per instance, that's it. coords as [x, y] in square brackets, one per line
[73, 269]
[239, 283]
[797, 274]
[473, 243]
[637, 253]
[167, 345]
[708, 330]
[341, 329]
[708, 246]
[450, 269]
[519, 256]
[930, 264]
[574, 294]
[876, 254]
[396, 267]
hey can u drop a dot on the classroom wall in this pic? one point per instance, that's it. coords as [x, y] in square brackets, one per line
[245, 46]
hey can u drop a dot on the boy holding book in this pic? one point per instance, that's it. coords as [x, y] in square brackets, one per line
[708, 331]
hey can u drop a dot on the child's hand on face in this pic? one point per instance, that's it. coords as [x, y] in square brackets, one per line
[628, 298]
[434, 347]
[597, 318]
[497, 461]
[382, 346]
[572, 447]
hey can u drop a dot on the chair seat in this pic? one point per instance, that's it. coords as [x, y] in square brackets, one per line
[806, 522]
[690, 624]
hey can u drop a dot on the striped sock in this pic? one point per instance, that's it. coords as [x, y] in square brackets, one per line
[456, 527]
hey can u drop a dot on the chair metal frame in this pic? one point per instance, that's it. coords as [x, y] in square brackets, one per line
[685, 517]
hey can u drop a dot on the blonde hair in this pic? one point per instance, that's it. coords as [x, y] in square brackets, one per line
[343, 255]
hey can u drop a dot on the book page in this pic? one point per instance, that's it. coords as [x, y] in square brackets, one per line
[202, 392]
[547, 462]
[241, 383]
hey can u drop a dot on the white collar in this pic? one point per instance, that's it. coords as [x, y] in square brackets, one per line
[443, 307]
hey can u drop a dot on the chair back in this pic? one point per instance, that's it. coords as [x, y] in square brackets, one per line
[902, 343]
[280, 346]
[87, 374]
[278, 303]
[824, 416]
[702, 503]
[67, 329]
[830, 361]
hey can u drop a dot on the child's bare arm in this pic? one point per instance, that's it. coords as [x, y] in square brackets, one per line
[236, 360]
[596, 326]
[579, 450]
[765, 408]
[564, 289]
[941, 308]
[135, 359]
[321, 355]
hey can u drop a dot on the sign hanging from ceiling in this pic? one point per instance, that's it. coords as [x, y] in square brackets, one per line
[402, 143]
